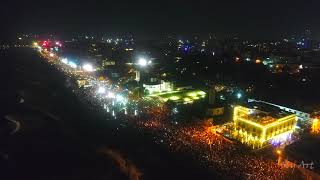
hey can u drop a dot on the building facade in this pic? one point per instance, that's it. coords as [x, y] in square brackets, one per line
[258, 128]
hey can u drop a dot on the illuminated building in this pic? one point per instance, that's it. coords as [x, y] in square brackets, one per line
[137, 76]
[257, 127]
[315, 129]
[158, 87]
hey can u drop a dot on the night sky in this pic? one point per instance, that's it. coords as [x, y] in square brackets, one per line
[246, 18]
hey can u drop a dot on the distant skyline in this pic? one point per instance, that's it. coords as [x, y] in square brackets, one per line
[249, 19]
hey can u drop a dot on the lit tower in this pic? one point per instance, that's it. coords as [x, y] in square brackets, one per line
[142, 63]
[137, 75]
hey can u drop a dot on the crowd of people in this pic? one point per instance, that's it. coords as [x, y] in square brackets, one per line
[212, 149]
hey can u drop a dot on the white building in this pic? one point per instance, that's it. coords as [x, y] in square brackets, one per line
[157, 87]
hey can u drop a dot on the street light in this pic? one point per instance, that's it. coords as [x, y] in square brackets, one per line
[142, 62]
[279, 152]
[279, 156]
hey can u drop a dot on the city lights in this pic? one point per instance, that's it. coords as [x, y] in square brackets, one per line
[120, 98]
[174, 98]
[64, 60]
[111, 95]
[72, 64]
[214, 144]
[101, 90]
[58, 43]
[45, 43]
[51, 54]
[88, 67]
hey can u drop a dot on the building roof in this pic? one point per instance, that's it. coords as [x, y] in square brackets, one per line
[263, 113]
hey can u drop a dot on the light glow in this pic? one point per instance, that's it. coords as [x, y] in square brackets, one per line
[64, 60]
[88, 67]
[142, 62]
[101, 90]
[72, 64]
[111, 95]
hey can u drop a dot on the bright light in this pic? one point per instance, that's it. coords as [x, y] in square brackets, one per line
[142, 62]
[35, 44]
[45, 43]
[51, 54]
[101, 90]
[175, 111]
[119, 98]
[72, 64]
[278, 152]
[87, 67]
[64, 60]
[111, 95]
[239, 95]
[187, 99]
[258, 61]
[192, 94]
[174, 98]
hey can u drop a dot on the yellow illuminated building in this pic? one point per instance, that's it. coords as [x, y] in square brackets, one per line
[256, 128]
[315, 129]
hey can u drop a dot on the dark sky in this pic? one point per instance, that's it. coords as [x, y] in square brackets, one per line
[246, 18]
